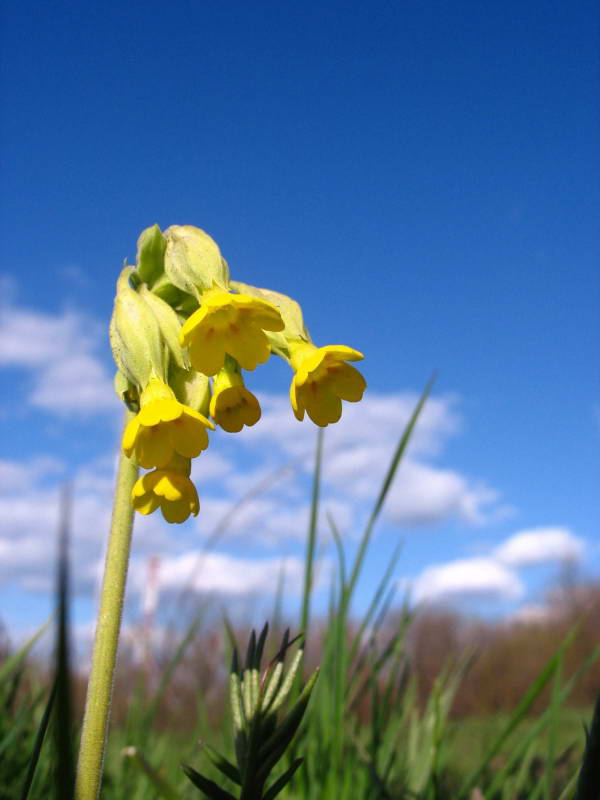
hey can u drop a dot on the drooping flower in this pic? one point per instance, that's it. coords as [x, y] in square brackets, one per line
[232, 406]
[164, 427]
[323, 379]
[169, 489]
[232, 324]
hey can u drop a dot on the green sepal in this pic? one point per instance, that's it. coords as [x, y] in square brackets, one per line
[193, 261]
[210, 788]
[150, 258]
[168, 323]
[135, 337]
[191, 388]
[164, 289]
[290, 310]
[127, 392]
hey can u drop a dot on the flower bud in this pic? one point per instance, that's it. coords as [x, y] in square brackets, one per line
[167, 322]
[191, 388]
[193, 261]
[151, 254]
[135, 336]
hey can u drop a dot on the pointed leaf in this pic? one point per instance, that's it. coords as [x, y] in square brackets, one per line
[210, 788]
[222, 764]
[282, 782]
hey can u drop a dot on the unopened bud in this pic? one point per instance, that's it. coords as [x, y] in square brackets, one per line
[191, 388]
[167, 322]
[150, 260]
[135, 336]
[193, 261]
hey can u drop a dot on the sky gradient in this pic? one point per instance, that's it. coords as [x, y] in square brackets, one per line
[422, 177]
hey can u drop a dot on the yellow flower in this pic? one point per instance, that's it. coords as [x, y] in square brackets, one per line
[233, 324]
[164, 427]
[232, 406]
[323, 379]
[170, 488]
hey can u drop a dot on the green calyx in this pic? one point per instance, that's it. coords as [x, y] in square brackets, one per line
[135, 336]
[193, 261]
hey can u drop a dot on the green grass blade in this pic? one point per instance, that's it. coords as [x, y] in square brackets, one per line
[161, 786]
[517, 716]
[37, 745]
[392, 469]
[63, 725]
[538, 727]
[311, 541]
[588, 785]
[11, 664]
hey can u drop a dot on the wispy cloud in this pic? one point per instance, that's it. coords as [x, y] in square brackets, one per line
[59, 352]
[540, 546]
[467, 579]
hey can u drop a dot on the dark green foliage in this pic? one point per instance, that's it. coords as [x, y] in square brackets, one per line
[261, 738]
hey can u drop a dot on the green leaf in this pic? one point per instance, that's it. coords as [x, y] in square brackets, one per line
[282, 782]
[521, 710]
[588, 785]
[210, 788]
[222, 764]
[37, 745]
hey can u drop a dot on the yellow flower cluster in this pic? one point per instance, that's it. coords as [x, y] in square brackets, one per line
[181, 333]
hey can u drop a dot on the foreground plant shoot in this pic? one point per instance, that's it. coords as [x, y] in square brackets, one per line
[182, 333]
[261, 739]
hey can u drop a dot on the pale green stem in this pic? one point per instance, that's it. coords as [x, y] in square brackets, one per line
[99, 690]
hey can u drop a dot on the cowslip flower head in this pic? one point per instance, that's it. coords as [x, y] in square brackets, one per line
[229, 324]
[322, 379]
[164, 428]
[232, 406]
[169, 489]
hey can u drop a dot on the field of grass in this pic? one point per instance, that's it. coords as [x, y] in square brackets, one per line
[372, 729]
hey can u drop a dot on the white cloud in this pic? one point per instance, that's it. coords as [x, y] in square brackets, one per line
[467, 579]
[221, 573]
[424, 495]
[540, 546]
[60, 353]
[359, 449]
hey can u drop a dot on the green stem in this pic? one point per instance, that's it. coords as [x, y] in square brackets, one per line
[99, 690]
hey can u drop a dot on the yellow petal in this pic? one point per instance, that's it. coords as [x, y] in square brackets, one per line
[146, 504]
[170, 486]
[207, 356]
[296, 401]
[163, 410]
[145, 484]
[249, 348]
[322, 405]
[154, 448]
[129, 435]
[188, 436]
[340, 352]
[250, 407]
[191, 324]
[347, 382]
[191, 412]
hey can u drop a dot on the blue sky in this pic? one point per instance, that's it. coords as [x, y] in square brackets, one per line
[422, 177]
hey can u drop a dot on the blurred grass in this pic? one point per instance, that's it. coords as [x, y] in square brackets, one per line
[385, 720]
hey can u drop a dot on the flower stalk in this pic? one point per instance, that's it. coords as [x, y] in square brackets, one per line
[99, 689]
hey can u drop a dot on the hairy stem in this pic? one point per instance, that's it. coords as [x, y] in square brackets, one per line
[99, 690]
